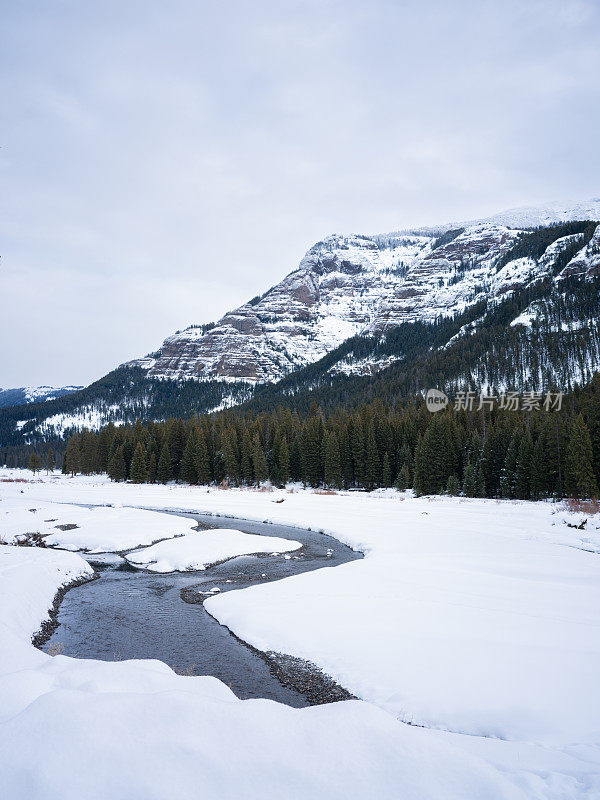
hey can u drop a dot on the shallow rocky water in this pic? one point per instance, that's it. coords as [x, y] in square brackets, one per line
[132, 614]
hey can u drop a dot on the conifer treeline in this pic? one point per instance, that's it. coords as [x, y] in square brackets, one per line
[20, 456]
[527, 455]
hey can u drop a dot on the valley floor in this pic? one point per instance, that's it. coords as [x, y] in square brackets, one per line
[470, 632]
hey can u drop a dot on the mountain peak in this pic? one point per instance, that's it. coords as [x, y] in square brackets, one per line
[347, 284]
[524, 217]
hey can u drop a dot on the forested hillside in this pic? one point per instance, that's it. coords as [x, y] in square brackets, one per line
[539, 450]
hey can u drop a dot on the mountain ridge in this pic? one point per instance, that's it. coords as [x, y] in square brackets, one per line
[23, 395]
[352, 284]
[524, 216]
[481, 306]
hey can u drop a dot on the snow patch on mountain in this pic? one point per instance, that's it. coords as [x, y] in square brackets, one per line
[526, 217]
[92, 417]
[362, 366]
[587, 260]
[33, 394]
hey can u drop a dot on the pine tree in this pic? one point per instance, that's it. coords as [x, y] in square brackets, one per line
[88, 446]
[357, 444]
[127, 448]
[480, 482]
[453, 486]
[312, 462]
[523, 468]
[284, 463]
[592, 420]
[138, 473]
[345, 456]
[177, 438]
[34, 463]
[372, 466]
[296, 459]
[580, 481]
[331, 461]
[402, 480]
[273, 460]
[50, 464]
[116, 468]
[406, 459]
[421, 479]
[539, 469]
[230, 458]
[163, 471]
[103, 450]
[386, 472]
[203, 471]
[593, 423]
[246, 460]
[71, 461]
[469, 488]
[188, 471]
[152, 467]
[405, 468]
[259, 461]
[494, 455]
[555, 448]
[474, 449]
[509, 470]
[434, 458]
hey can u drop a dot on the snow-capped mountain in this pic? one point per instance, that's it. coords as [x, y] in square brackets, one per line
[33, 394]
[355, 284]
[344, 285]
[531, 216]
[483, 304]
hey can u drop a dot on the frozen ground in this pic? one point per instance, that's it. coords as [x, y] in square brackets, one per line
[95, 530]
[197, 550]
[478, 620]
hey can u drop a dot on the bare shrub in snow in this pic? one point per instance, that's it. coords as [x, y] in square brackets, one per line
[590, 507]
[32, 539]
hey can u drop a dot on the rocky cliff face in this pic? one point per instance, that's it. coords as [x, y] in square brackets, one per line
[587, 260]
[335, 293]
[347, 285]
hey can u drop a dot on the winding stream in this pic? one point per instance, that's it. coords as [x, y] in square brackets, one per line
[132, 614]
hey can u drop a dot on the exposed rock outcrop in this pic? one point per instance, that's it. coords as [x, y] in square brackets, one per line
[347, 285]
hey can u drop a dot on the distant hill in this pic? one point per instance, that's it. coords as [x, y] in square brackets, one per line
[33, 394]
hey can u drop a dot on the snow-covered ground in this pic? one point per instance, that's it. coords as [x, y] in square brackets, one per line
[200, 549]
[72, 729]
[95, 530]
[478, 620]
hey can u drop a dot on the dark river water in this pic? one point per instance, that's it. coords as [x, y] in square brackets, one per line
[133, 614]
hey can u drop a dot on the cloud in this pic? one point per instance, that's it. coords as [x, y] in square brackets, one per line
[162, 163]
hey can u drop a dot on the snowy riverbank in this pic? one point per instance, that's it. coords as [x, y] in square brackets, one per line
[469, 617]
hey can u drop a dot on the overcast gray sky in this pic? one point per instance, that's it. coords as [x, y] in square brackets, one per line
[162, 162]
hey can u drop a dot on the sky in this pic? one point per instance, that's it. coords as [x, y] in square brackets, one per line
[161, 163]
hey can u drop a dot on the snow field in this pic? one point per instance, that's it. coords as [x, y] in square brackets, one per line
[73, 728]
[477, 619]
[98, 530]
[196, 551]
